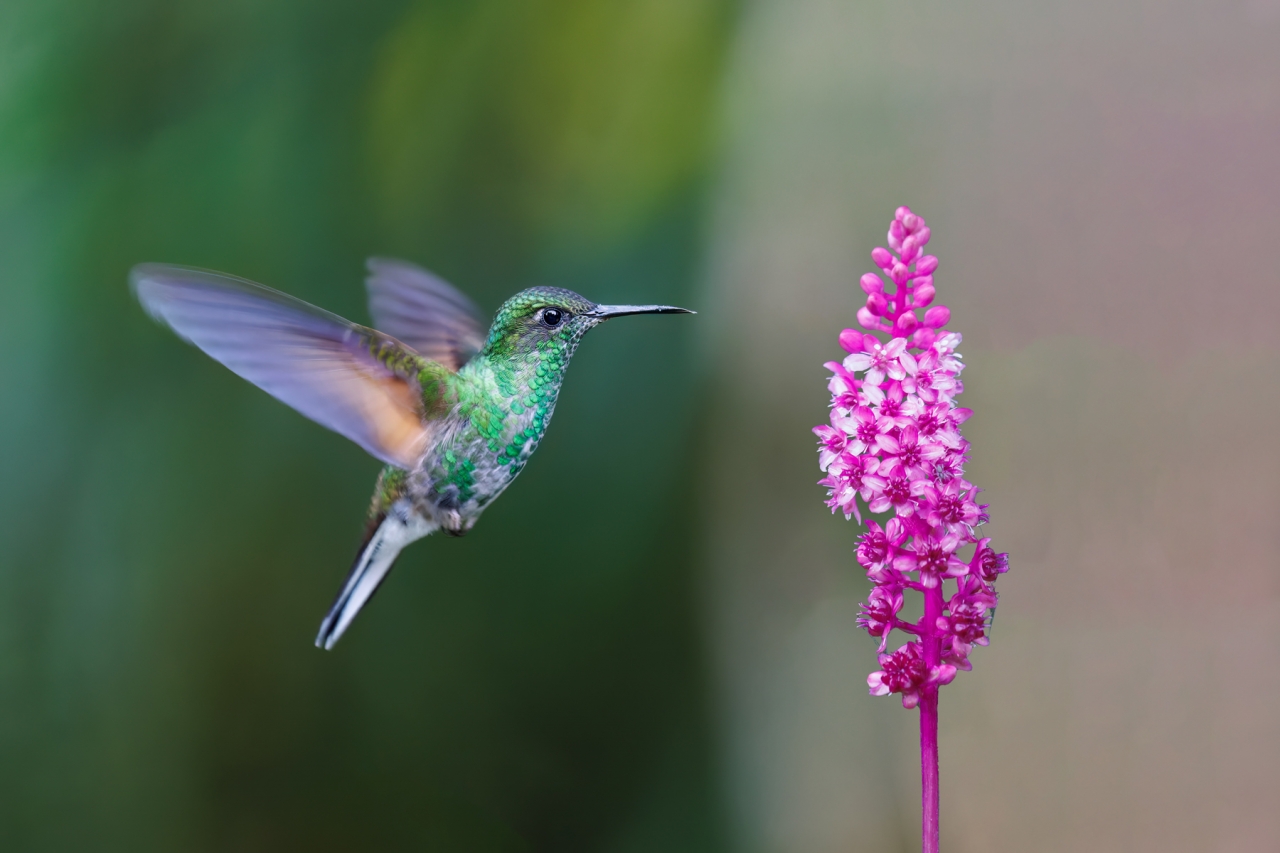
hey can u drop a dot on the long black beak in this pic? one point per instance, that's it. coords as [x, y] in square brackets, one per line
[605, 312]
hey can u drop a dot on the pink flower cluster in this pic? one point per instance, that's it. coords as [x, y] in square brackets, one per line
[894, 442]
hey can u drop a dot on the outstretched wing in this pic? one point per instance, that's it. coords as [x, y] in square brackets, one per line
[424, 311]
[355, 381]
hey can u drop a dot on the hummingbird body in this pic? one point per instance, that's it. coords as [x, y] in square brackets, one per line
[456, 416]
[499, 403]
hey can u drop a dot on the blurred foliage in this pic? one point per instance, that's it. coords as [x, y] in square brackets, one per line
[171, 535]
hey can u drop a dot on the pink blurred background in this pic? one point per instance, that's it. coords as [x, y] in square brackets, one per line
[1103, 188]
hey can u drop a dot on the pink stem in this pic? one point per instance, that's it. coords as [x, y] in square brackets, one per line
[929, 771]
[929, 722]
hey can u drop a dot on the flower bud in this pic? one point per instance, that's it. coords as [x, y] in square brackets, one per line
[871, 283]
[909, 249]
[924, 266]
[867, 319]
[880, 257]
[851, 340]
[901, 212]
[937, 316]
[911, 222]
[895, 242]
[876, 304]
[905, 324]
[923, 337]
[897, 229]
[922, 236]
[899, 273]
[923, 294]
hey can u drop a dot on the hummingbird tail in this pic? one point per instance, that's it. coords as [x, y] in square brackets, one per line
[385, 537]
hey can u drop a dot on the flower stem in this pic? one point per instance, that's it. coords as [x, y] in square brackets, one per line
[929, 771]
[933, 604]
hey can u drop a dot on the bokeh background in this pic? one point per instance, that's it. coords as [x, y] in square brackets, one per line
[648, 644]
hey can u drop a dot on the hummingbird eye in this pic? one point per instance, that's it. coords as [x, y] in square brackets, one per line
[552, 317]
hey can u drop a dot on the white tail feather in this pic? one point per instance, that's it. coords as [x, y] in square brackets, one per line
[400, 527]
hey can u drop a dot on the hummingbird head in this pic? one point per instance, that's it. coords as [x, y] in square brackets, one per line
[552, 317]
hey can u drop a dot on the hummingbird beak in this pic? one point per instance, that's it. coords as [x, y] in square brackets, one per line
[606, 312]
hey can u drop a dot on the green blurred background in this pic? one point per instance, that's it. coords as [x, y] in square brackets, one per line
[648, 643]
[171, 536]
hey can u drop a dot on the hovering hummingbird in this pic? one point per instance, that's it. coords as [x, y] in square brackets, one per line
[455, 413]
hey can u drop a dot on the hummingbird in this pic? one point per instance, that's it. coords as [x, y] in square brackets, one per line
[453, 412]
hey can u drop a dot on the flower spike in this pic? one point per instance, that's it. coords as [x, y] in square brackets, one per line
[893, 445]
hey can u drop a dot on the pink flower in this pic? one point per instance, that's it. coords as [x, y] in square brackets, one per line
[896, 492]
[833, 444]
[905, 672]
[877, 550]
[933, 385]
[891, 359]
[867, 432]
[967, 622]
[940, 423]
[843, 387]
[875, 546]
[891, 403]
[915, 458]
[986, 564]
[950, 504]
[932, 558]
[848, 477]
[878, 547]
[880, 613]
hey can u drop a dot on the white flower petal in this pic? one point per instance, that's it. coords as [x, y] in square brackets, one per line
[857, 361]
[909, 363]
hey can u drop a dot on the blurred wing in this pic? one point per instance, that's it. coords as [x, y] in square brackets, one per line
[424, 311]
[353, 380]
